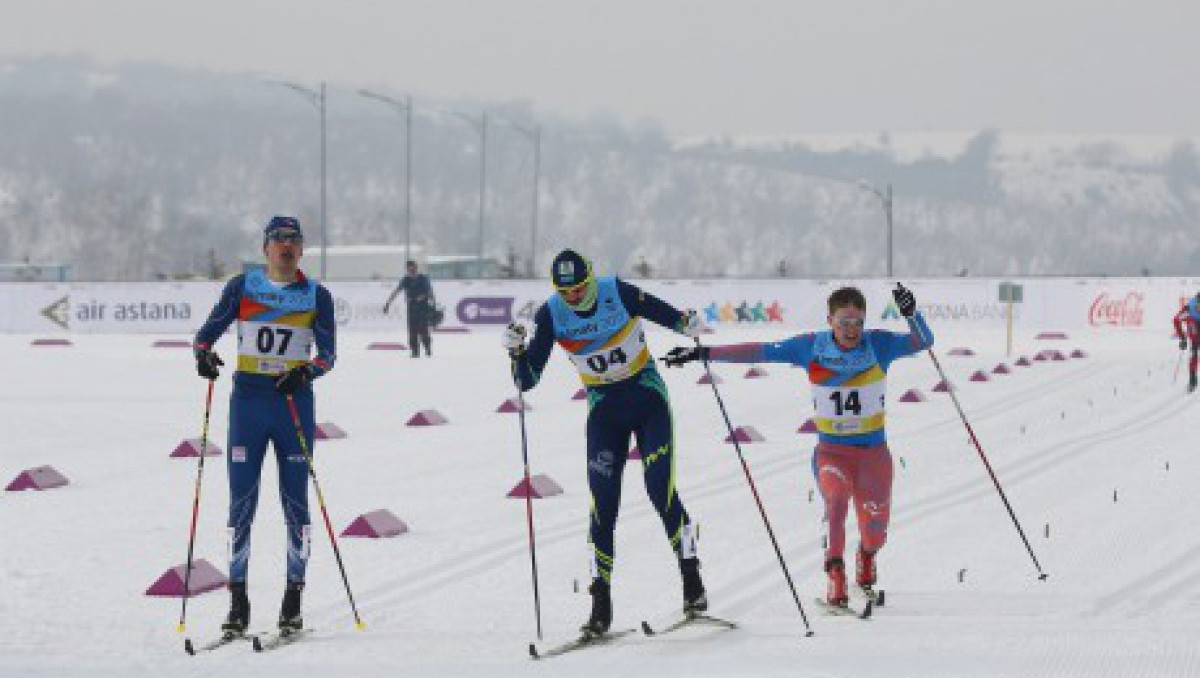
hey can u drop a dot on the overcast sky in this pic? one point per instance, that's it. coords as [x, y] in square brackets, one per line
[744, 67]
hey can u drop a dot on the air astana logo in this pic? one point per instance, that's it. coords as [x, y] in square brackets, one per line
[744, 313]
[59, 312]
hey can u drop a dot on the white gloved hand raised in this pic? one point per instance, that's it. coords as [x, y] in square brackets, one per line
[513, 339]
[691, 325]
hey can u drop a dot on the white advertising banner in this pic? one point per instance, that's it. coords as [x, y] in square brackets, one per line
[1105, 304]
[163, 308]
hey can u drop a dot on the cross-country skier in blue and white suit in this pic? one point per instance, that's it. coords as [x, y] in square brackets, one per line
[281, 313]
[598, 322]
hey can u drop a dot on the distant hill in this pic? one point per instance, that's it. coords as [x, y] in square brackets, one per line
[143, 171]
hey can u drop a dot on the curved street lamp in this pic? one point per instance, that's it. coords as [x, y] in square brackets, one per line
[480, 123]
[534, 134]
[317, 98]
[885, 197]
[405, 109]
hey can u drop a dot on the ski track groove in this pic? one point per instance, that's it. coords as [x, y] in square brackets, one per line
[1031, 466]
[808, 553]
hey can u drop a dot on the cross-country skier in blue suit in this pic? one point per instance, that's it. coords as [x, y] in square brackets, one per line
[280, 313]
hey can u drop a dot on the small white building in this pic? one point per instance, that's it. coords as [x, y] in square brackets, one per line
[362, 262]
[386, 262]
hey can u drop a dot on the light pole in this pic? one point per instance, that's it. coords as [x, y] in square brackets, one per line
[534, 134]
[317, 98]
[482, 124]
[405, 108]
[885, 197]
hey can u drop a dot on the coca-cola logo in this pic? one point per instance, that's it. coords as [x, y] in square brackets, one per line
[1113, 311]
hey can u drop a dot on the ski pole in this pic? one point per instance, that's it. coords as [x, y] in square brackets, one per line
[187, 573]
[983, 457]
[312, 471]
[754, 490]
[537, 601]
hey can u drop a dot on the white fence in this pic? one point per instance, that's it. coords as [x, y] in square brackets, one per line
[1048, 304]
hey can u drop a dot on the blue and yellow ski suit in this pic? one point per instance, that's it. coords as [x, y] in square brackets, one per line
[277, 327]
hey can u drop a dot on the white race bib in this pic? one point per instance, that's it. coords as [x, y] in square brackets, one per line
[850, 410]
[616, 361]
[272, 348]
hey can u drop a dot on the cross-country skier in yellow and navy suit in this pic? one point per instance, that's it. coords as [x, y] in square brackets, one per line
[597, 321]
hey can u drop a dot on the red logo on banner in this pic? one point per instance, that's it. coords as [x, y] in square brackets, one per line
[1123, 312]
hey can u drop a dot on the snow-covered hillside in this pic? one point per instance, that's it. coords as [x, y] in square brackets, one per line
[141, 172]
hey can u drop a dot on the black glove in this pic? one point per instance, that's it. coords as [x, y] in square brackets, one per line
[207, 363]
[905, 300]
[1182, 344]
[293, 380]
[685, 354]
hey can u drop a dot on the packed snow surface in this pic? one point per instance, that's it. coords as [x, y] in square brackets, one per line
[1097, 455]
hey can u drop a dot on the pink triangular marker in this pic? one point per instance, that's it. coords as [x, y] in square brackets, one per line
[1057, 356]
[191, 448]
[204, 578]
[1001, 369]
[1023, 362]
[1078, 353]
[377, 524]
[941, 387]
[40, 478]
[513, 405]
[756, 372]
[808, 426]
[745, 434]
[635, 452]
[581, 394]
[426, 418]
[328, 431]
[716, 379]
[543, 486]
[51, 342]
[912, 395]
[979, 375]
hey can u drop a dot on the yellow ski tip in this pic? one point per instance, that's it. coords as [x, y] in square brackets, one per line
[182, 628]
[361, 626]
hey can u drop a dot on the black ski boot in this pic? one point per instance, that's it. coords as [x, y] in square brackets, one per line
[1192, 382]
[694, 597]
[238, 619]
[601, 619]
[290, 619]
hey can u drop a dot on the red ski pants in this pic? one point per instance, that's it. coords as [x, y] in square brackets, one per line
[864, 474]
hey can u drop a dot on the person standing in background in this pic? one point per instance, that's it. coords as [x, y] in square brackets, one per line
[418, 293]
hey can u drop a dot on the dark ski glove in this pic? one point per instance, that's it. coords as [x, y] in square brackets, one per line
[293, 380]
[685, 354]
[208, 363]
[905, 300]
